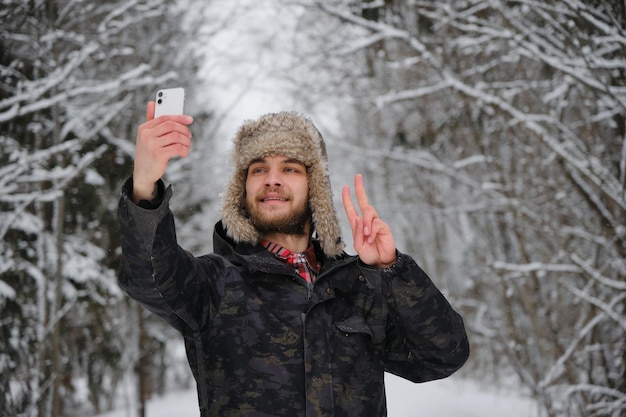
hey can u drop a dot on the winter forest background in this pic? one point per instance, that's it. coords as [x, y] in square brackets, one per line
[492, 137]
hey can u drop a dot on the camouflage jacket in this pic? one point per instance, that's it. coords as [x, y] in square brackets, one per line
[262, 342]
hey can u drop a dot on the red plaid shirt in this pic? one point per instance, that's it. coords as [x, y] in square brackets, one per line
[305, 263]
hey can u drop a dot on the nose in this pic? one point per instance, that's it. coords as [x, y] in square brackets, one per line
[273, 179]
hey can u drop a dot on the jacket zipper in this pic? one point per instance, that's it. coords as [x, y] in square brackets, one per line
[304, 353]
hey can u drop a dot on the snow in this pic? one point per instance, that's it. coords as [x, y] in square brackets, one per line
[6, 291]
[445, 398]
[453, 397]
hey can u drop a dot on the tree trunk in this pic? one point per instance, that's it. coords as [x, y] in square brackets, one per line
[143, 372]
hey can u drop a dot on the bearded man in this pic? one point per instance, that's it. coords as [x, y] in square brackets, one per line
[279, 320]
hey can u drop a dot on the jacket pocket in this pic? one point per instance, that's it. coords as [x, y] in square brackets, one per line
[358, 324]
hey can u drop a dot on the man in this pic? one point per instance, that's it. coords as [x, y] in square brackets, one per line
[279, 320]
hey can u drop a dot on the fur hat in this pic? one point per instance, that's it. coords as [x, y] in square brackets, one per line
[295, 136]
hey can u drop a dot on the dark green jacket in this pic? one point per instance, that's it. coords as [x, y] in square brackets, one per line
[261, 342]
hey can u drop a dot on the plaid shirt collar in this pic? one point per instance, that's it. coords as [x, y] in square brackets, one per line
[305, 263]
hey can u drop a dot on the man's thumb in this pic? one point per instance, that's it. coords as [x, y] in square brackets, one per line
[150, 110]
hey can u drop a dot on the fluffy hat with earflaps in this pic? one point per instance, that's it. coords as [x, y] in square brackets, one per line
[294, 136]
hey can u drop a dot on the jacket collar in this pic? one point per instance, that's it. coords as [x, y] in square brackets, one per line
[252, 257]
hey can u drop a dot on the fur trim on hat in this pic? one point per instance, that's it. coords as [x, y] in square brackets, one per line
[294, 136]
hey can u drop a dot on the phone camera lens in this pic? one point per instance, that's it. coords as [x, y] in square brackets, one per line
[159, 101]
[160, 93]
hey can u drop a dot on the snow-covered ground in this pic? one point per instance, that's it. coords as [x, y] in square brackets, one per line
[450, 397]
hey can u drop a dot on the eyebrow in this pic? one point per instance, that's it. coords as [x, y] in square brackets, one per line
[284, 161]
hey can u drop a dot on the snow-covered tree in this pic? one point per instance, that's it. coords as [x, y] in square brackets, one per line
[497, 132]
[74, 80]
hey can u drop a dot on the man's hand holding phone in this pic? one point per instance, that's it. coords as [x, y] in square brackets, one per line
[158, 140]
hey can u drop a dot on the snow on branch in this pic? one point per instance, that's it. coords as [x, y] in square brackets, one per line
[28, 198]
[595, 274]
[118, 11]
[60, 177]
[38, 88]
[558, 367]
[96, 114]
[609, 309]
[37, 157]
[421, 159]
[607, 408]
[6, 292]
[588, 165]
[575, 68]
[85, 161]
[594, 17]
[528, 38]
[20, 219]
[82, 262]
[535, 267]
[131, 13]
[412, 94]
[594, 199]
[383, 30]
[362, 43]
[471, 160]
[22, 160]
[132, 79]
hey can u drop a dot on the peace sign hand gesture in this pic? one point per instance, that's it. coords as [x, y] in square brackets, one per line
[372, 237]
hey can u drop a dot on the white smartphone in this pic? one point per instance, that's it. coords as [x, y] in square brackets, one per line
[169, 101]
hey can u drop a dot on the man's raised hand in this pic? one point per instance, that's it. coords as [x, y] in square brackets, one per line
[372, 237]
[158, 140]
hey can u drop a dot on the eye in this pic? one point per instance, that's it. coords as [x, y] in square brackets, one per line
[294, 168]
[256, 169]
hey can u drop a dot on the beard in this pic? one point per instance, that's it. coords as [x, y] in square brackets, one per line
[294, 223]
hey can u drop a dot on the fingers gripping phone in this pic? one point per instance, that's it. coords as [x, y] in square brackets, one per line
[169, 101]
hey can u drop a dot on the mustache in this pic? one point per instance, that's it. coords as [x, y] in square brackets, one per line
[274, 193]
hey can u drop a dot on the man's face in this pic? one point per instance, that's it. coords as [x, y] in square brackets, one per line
[277, 196]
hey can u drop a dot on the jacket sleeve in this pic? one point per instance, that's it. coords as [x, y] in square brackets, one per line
[157, 272]
[426, 338]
